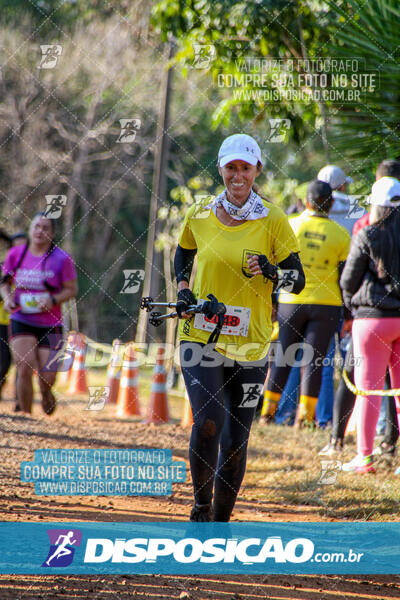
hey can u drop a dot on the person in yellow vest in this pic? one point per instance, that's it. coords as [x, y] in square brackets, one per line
[310, 318]
[241, 241]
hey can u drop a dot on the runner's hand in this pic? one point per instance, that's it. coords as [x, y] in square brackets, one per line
[185, 299]
[260, 265]
[9, 304]
[46, 304]
[212, 307]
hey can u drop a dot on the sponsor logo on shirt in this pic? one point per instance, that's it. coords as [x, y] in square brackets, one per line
[315, 236]
[245, 267]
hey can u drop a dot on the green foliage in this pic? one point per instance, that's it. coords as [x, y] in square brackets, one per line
[183, 197]
[281, 191]
[369, 132]
[58, 128]
[58, 132]
[238, 30]
[53, 17]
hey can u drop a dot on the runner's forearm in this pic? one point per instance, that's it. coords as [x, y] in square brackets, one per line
[293, 262]
[183, 264]
[5, 291]
[65, 294]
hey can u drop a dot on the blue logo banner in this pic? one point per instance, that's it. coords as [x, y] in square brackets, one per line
[200, 548]
[102, 472]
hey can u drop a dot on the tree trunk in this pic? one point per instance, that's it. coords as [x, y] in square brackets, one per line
[152, 262]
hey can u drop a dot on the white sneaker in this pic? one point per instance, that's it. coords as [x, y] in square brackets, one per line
[360, 464]
[333, 448]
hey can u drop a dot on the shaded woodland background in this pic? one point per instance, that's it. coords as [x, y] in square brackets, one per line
[59, 127]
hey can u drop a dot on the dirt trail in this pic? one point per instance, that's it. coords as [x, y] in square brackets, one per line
[72, 427]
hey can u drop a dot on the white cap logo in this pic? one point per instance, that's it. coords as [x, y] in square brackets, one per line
[239, 147]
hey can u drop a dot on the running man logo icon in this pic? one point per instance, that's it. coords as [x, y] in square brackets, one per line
[251, 394]
[356, 209]
[129, 128]
[286, 279]
[202, 206]
[60, 358]
[203, 55]
[279, 130]
[61, 551]
[329, 471]
[55, 205]
[133, 279]
[98, 396]
[50, 55]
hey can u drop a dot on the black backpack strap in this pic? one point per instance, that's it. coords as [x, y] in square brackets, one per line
[47, 285]
[213, 339]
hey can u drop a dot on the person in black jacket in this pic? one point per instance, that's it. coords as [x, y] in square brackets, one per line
[371, 286]
[344, 398]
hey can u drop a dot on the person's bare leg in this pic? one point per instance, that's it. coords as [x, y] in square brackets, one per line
[23, 349]
[46, 381]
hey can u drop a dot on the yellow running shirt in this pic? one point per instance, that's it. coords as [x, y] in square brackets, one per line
[4, 315]
[222, 270]
[323, 244]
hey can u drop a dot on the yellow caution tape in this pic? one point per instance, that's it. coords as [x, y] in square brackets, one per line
[358, 392]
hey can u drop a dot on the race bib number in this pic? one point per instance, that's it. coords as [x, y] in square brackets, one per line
[236, 321]
[30, 301]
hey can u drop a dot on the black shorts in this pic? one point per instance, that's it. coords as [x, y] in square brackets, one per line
[47, 337]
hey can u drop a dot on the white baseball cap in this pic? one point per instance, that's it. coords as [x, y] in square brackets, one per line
[239, 147]
[384, 190]
[333, 175]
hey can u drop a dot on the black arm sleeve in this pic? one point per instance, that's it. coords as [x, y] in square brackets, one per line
[355, 267]
[183, 263]
[293, 262]
[346, 311]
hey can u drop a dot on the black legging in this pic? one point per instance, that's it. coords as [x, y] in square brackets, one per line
[223, 400]
[345, 400]
[314, 324]
[5, 355]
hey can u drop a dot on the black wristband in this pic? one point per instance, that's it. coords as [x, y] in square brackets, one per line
[54, 301]
[268, 270]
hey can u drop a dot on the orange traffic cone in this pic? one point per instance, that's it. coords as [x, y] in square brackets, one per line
[78, 383]
[187, 416]
[67, 362]
[114, 372]
[158, 407]
[128, 396]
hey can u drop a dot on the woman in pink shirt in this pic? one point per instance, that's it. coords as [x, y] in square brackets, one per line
[37, 278]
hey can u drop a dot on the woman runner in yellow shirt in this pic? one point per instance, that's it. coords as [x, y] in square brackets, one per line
[239, 239]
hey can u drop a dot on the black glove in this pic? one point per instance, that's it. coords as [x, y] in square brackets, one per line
[269, 271]
[212, 307]
[185, 299]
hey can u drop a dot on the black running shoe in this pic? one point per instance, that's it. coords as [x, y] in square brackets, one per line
[201, 513]
[49, 402]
